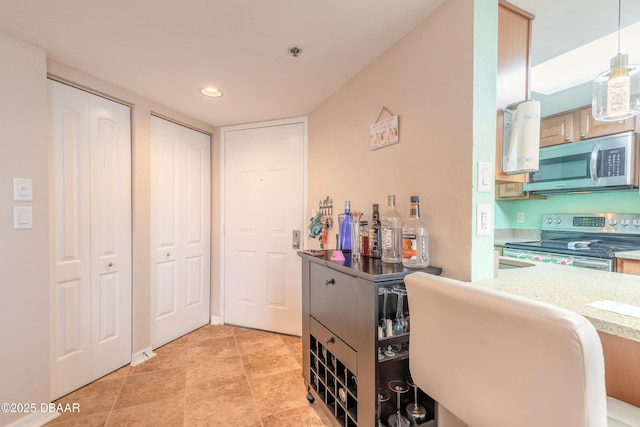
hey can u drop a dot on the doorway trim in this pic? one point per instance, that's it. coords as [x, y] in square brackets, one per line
[219, 320]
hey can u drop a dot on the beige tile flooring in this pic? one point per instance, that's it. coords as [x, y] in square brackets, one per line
[214, 376]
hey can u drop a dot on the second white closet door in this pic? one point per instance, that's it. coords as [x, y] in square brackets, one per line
[180, 230]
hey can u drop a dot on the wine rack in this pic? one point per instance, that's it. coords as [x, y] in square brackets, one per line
[334, 383]
[343, 305]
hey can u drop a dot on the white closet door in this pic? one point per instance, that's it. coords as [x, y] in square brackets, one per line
[180, 217]
[71, 209]
[111, 270]
[91, 226]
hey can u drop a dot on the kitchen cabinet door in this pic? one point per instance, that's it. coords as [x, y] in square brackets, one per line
[591, 128]
[557, 129]
[512, 85]
[628, 266]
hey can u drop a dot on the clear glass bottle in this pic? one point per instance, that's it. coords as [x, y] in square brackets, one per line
[345, 228]
[415, 240]
[375, 236]
[391, 226]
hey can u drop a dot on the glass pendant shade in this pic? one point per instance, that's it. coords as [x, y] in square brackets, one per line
[616, 92]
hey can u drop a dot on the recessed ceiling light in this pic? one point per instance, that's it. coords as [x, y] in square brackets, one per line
[211, 92]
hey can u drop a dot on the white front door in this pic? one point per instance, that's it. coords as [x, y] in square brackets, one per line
[180, 230]
[91, 237]
[263, 205]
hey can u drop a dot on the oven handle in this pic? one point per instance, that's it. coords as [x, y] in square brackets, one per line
[593, 163]
[596, 265]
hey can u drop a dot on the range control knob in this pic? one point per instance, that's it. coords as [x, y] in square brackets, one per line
[558, 221]
[624, 222]
[636, 222]
[613, 222]
[550, 220]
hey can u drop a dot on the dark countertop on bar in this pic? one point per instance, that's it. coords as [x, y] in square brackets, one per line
[371, 269]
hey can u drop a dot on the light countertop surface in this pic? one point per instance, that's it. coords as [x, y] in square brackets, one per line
[572, 288]
[628, 255]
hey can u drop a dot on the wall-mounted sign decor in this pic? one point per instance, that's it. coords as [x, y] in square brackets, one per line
[384, 132]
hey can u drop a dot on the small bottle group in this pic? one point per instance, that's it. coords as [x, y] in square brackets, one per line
[386, 236]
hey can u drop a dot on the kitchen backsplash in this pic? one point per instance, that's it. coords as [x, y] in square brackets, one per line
[506, 212]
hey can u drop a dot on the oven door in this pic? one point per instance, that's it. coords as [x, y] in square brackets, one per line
[604, 264]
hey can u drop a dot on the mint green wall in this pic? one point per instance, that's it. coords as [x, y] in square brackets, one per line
[485, 64]
[612, 202]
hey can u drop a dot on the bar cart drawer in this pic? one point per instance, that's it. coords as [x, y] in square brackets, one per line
[332, 297]
[334, 345]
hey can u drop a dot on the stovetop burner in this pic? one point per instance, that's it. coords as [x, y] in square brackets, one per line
[592, 235]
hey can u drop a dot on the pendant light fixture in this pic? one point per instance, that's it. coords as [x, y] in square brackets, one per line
[616, 92]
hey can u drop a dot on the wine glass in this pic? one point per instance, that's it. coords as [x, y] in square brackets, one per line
[383, 318]
[415, 411]
[383, 396]
[400, 324]
[397, 419]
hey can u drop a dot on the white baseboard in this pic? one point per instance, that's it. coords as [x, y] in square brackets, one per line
[216, 320]
[35, 419]
[142, 356]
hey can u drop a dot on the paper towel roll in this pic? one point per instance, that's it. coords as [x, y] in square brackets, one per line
[523, 150]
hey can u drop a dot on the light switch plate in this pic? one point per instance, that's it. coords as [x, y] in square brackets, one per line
[484, 177]
[22, 217]
[22, 190]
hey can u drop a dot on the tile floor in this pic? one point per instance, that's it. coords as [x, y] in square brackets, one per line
[214, 376]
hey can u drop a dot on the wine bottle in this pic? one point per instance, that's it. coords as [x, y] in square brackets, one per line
[375, 236]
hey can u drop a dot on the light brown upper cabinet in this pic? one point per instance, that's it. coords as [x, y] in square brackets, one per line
[577, 125]
[556, 129]
[591, 128]
[514, 46]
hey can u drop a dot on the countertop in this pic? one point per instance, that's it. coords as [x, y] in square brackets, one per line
[628, 255]
[572, 288]
[368, 268]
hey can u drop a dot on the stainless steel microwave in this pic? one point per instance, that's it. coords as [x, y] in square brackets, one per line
[606, 163]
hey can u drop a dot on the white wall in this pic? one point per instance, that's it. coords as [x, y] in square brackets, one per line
[24, 271]
[24, 255]
[427, 79]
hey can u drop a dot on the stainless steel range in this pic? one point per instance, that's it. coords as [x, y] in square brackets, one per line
[581, 240]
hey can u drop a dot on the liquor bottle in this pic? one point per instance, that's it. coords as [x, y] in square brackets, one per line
[364, 238]
[375, 236]
[415, 240]
[391, 233]
[345, 228]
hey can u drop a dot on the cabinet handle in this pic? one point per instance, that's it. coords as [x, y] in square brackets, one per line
[329, 340]
[582, 135]
[331, 282]
[110, 264]
[567, 139]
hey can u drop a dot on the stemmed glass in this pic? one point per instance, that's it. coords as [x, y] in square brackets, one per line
[415, 411]
[383, 396]
[383, 318]
[397, 419]
[400, 324]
